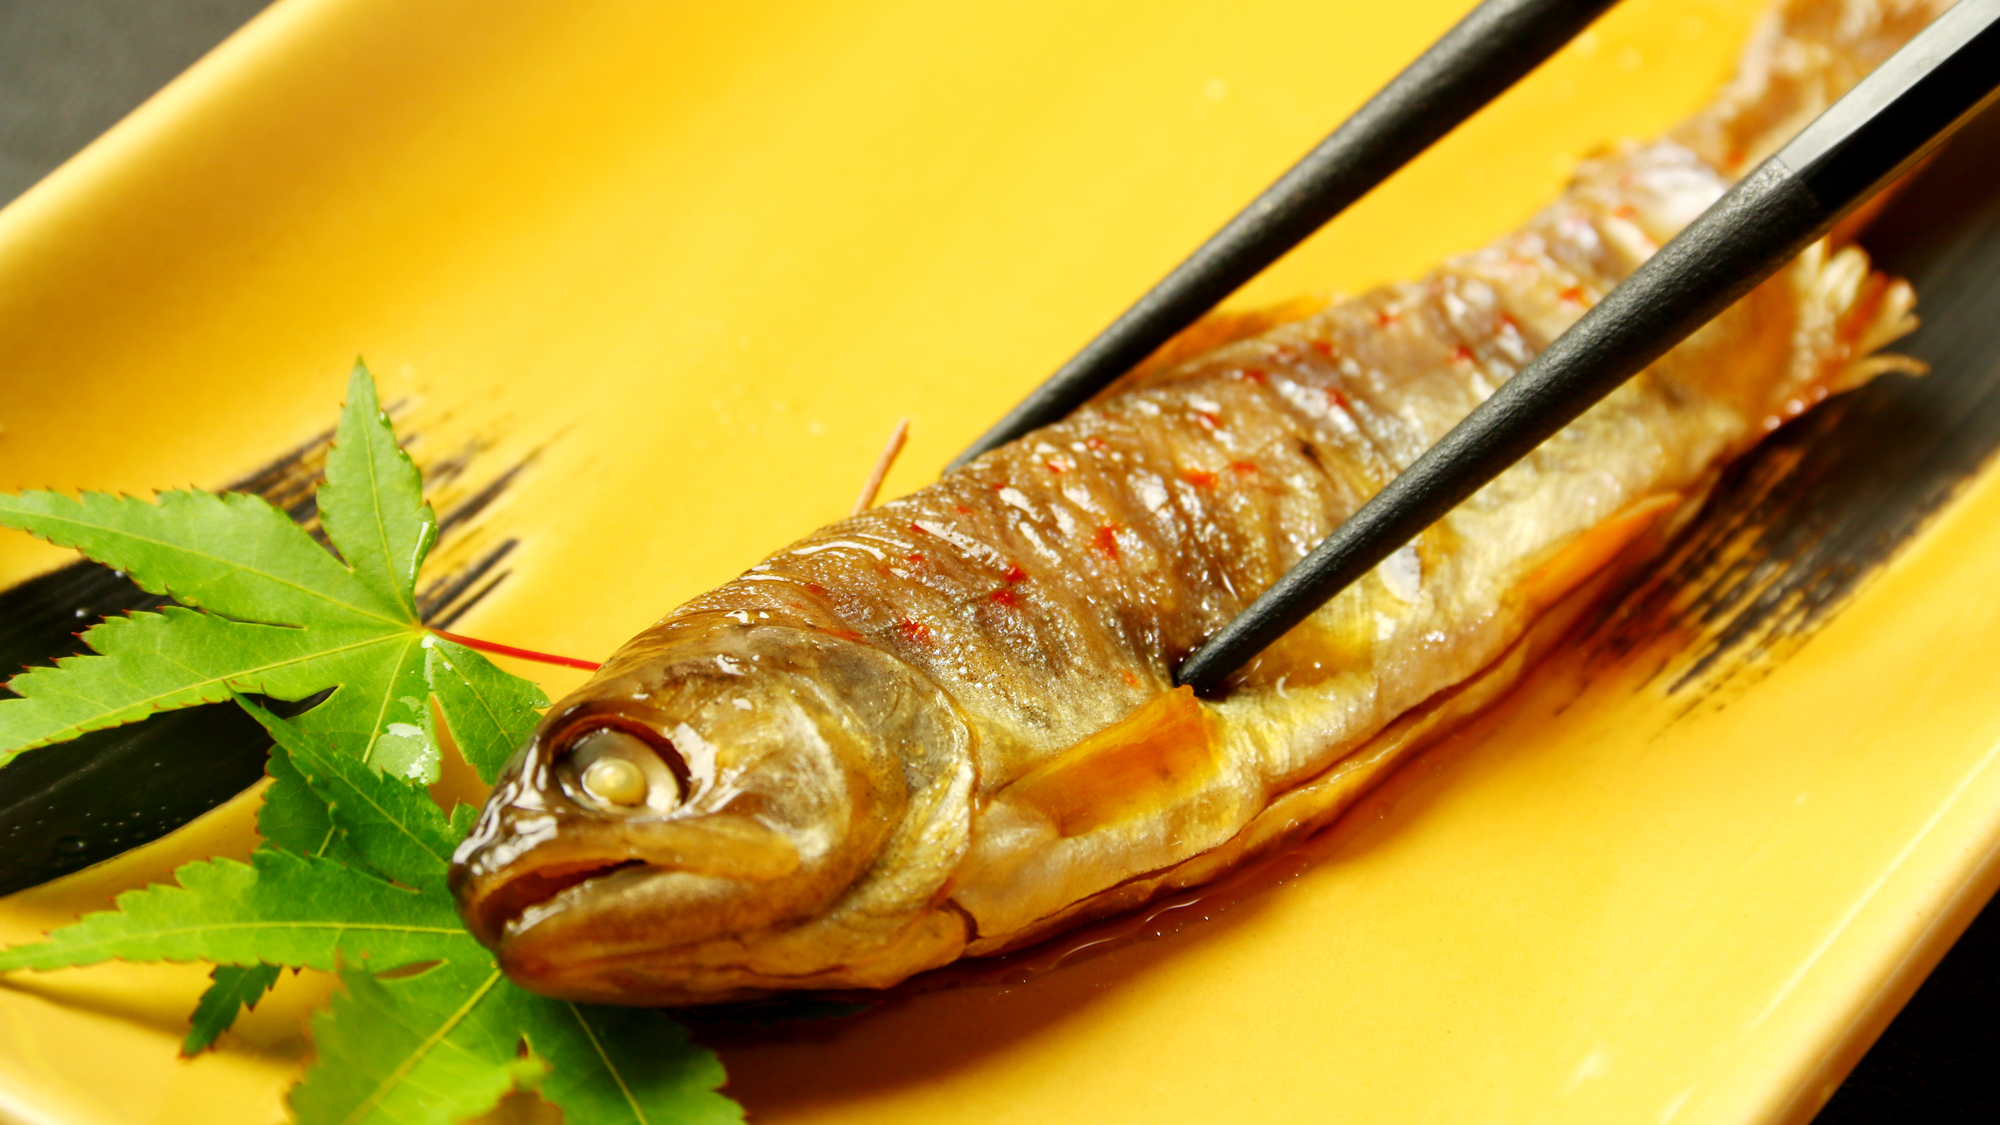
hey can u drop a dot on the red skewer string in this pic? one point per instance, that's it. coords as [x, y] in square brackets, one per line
[523, 653]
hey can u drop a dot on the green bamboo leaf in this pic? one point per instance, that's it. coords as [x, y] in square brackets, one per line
[279, 908]
[372, 504]
[412, 1051]
[232, 989]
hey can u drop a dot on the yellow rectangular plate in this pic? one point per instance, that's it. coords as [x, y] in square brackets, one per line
[697, 258]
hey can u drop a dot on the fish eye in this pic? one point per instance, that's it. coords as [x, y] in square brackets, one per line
[613, 769]
[615, 781]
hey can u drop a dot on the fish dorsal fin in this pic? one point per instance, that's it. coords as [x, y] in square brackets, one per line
[1142, 761]
[1216, 330]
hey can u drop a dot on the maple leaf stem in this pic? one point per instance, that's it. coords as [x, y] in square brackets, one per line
[523, 653]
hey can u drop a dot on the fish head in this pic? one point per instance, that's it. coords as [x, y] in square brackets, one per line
[670, 827]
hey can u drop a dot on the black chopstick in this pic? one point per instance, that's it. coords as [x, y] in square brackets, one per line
[1488, 51]
[1889, 121]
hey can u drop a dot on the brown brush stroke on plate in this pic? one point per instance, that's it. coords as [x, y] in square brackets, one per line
[1797, 527]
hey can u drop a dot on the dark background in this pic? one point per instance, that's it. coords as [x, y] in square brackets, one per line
[69, 69]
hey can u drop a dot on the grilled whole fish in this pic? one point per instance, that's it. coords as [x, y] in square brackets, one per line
[943, 727]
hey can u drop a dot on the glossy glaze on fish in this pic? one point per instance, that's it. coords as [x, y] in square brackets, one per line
[942, 727]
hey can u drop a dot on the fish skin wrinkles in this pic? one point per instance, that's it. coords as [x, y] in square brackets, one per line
[943, 727]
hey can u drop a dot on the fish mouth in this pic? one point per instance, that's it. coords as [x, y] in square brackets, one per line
[502, 908]
[500, 901]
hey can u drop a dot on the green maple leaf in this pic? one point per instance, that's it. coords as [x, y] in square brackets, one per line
[351, 876]
[234, 989]
[439, 1045]
[410, 839]
[271, 612]
[279, 909]
[445, 1044]
[621, 1065]
[371, 819]
[409, 1051]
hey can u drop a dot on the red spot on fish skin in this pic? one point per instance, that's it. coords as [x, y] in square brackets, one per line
[1336, 399]
[1095, 442]
[1130, 679]
[843, 634]
[1015, 574]
[1573, 295]
[961, 509]
[1199, 479]
[1106, 541]
[1509, 324]
[915, 530]
[1253, 375]
[1243, 468]
[917, 559]
[1324, 348]
[914, 631]
[1461, 354]
[1209, 421]
[1056, 466]
[1005, 597]
[1386, 317]
[1624, 211]
[816, 588]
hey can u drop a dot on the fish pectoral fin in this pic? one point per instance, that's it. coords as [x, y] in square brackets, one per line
[1573, 562]
[1145, 760]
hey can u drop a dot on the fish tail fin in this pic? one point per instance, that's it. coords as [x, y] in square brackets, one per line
[1847, 313]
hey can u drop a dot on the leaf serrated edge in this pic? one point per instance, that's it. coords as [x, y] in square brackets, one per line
[423, 1050]
[164, 588]
[281, 731]
[88, 949]
[618, 1076]
[223, 685]
[374, 427]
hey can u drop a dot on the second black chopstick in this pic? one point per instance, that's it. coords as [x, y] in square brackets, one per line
[1485, 53]
[1888, 122]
